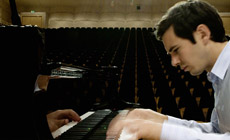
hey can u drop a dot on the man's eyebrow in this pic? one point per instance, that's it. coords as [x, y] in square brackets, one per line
[171, 49]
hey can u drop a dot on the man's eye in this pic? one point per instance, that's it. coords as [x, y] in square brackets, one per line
[175, 51]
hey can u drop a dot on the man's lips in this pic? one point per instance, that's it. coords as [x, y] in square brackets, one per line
[184, 68]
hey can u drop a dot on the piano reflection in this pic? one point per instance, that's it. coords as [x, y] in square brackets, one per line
[83, 89]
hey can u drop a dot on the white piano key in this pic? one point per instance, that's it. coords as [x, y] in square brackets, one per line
[66, 127]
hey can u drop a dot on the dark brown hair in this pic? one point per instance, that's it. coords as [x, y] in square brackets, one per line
[185, 16]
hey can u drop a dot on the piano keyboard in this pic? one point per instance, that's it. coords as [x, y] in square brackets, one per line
[66, 127]
[93, 126]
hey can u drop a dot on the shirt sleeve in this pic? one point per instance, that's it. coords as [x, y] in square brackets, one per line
[204, 127]
[178, 129]
[36, 87]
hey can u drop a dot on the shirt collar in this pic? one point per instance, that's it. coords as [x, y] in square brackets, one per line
[220, 67]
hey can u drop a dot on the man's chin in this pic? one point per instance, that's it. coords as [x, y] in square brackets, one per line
[195, 73]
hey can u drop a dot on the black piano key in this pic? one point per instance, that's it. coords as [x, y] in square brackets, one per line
[100, 132]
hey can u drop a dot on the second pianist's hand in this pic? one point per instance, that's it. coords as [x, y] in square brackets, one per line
[66, 127]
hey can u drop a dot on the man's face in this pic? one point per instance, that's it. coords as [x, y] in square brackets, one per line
[190, 57]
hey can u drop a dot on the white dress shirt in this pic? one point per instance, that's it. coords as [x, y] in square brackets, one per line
[219, 126]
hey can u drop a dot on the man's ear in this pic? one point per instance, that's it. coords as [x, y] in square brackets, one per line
[204, 33]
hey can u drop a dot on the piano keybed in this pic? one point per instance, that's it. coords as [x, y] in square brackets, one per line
[93, 127]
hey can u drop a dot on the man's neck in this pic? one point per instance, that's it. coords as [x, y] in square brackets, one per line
[215, 50]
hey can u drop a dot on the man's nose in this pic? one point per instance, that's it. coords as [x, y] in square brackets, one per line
[175, 61]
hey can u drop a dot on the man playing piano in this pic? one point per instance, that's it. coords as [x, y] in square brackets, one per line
[193, 34]
[24, 117]
[54, 119]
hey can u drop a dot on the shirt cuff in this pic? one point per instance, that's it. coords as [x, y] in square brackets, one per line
[172, 131]
[174, 120]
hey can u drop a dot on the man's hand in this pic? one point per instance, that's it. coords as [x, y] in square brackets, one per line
[59, 118]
